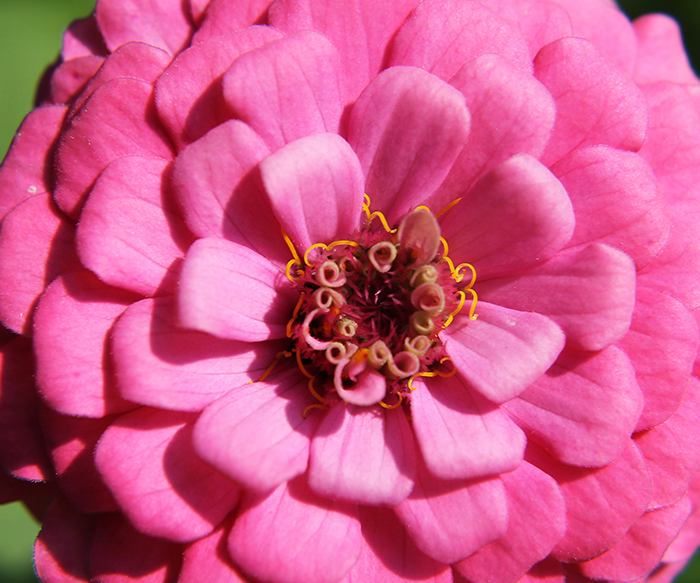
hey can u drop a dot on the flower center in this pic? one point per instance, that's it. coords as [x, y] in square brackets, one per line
[370, 310]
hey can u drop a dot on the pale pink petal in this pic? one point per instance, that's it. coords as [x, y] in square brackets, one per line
[638, 223]
[461, 436]
[672, 147]
[360, 30]
[62, 548]
[72, 326]
[23, 453]
[522, 194]
[407, 128]
[609, 29]
[672, 450]
[287, 89]
[71, 442]
[36, 246]
[116, 121]
[450, 520]
[134, 60]
[293, 536]
[234, 293]
[430, 41]
[82, 39]
[222, 196]
[189, 94]
[363, 454]
[540, 21]
[24, 170]
[207, 560]
[147, 460]
[389, 555]
[662, 344]
[588, 292]
[584, 409]
[160, 364]
[163, 23]
[503, 351]
[536, 522]
[596, 103]
[120, 554]
[661, 55]
[512, 113]
[257, 434]
[70, 78]
[601, 504]
[222, 17]
[641, 549]
[315, 186]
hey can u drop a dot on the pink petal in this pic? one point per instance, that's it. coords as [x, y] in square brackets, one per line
[609, 29]
[223, 17]
[121, 554]
[293, 536]
[163, 23]
[287, 89]
[512, 113]
[662, 344]
[596, 103]
[661, 55]
[360, 30]
[672, 450]
[547, 571]
[189, 94]
[641, 549]
[407, 129]
[222, 196]
[234, 293]
[389, 555]
[160, 364]
[441, 45]
[147, 460]
[207, 561]
[257, 434]
[503, 351]
[601, 504]
[588, 292]
[672, 147]
[363, 455]
[91, 140]
[36, 246]
[62, 548]
[130, 233]
[72, 326]
[584, 409]
[82, 39]
[315, 186]
[460, 436]
[536, 522]
[450, 520]
[23, 453]
[70, 78]
[71, 442]
[522, 194]
[540, 21]
[24, 170]
[135, 60]
[638, 222]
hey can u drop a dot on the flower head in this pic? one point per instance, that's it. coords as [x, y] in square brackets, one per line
[330, 292]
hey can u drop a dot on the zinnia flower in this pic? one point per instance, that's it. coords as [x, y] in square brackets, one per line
[319, 291]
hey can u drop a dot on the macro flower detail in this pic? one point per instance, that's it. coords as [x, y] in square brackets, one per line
[323, 292]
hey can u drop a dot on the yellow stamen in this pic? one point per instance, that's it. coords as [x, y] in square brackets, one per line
[295, 313]
[396, 405]
[431, 374]
[448, 207]
[280, 356]
[327, 248]
[301, 366]
[376, 214]
[462, 299]
[291, 262]
[318, 397]
[314, 406]
[458, 276]
[472, 315]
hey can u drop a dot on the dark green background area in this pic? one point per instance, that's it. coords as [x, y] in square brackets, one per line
[30, 37]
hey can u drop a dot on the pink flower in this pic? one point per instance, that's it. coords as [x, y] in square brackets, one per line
[320, 291]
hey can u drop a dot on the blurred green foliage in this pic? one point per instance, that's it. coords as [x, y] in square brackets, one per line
[30, 38]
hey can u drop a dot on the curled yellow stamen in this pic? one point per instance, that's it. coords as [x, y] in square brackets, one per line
[423, 207]
[376, 214]
[318, 397]
[462, 299]
[301, 367]
[327, 248]
[294, 261]
[295, 313]
[395, 405]
[280, 356]
[458, 274]
[472, 315]
[448, 207]
[432, 373]
[314, 406]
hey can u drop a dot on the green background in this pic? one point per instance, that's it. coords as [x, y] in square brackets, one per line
[30, 37]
